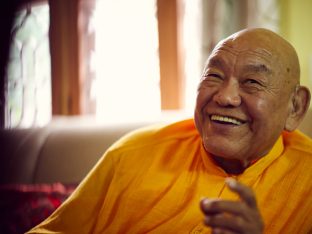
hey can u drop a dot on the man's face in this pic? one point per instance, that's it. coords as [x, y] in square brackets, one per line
[243, 100]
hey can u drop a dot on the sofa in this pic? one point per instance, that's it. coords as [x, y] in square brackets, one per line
[63, 151]
[41, 167]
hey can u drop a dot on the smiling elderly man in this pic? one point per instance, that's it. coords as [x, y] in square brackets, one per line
[240, 168]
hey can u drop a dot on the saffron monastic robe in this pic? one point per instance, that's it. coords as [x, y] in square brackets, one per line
[151, 181]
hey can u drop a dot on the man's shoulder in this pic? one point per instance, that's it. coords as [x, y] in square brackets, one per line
[156, 134]
[298, 141]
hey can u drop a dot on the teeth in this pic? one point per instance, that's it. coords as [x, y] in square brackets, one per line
[225, 119]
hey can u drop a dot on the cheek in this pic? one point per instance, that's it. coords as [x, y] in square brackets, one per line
[203, 97]
[260, 107]
[267, 112]
[261, 114]
[201, 102]
[198, 116]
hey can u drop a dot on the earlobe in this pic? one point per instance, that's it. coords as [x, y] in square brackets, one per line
[299, 106]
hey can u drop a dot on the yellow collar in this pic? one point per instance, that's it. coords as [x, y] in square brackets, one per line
[252, 172]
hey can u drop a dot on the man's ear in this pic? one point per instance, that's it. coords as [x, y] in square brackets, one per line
[299, 106]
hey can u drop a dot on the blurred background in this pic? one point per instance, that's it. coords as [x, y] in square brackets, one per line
[76, 75]
[120, 61]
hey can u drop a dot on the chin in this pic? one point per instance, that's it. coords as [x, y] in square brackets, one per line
[224, 151]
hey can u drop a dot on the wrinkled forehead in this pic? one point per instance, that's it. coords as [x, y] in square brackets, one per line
[244, 51]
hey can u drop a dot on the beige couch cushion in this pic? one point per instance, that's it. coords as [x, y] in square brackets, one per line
[68, 155]
[54, 154]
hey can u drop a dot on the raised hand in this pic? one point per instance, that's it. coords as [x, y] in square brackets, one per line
[228, 217]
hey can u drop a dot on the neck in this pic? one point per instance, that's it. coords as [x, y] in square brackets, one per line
[231, 166]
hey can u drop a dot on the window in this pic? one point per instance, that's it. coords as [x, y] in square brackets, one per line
[28, 92]
[120, 60]
[126, 55]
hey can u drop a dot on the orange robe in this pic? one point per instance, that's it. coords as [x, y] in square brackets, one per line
[151, 181]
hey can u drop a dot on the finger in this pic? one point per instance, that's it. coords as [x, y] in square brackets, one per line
[245, 193]
[235, 216]
[207, 207]
[226, 222]
[222, 231]
[217, 206]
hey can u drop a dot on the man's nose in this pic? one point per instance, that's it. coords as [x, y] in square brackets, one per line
[228, 95]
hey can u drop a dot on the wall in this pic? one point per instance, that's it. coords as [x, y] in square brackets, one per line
[296, 20]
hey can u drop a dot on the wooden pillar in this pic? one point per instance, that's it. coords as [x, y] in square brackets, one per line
[64, 47]
[171, 79]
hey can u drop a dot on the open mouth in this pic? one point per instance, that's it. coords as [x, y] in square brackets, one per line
[226, 120]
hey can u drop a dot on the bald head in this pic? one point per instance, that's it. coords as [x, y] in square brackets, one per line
[280, 53]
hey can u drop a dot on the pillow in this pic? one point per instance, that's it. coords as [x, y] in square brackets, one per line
[24, 206]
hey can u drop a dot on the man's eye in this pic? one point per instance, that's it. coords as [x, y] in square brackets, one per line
[252, 81]
[253, 85]
[213, 75]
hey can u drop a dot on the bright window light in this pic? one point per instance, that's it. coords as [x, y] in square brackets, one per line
[193, 65]
[126, 58]
[28, 91]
